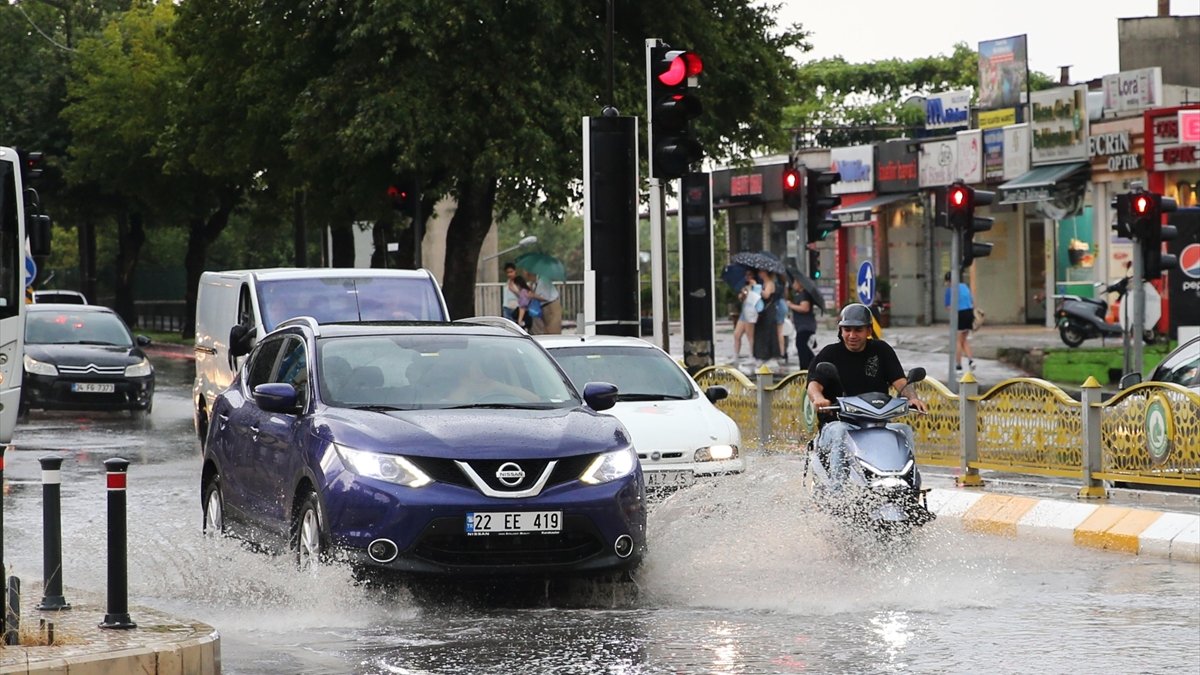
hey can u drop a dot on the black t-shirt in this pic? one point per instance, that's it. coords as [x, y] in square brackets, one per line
[875, 368]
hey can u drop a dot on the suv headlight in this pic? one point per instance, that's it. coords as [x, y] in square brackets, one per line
[610, 466]
[716, 453]
[35, 367]
[140, 369]
[391, 468]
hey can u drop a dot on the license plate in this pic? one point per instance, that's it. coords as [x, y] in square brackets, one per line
[514, 522]
[93, 387]
[673, 478]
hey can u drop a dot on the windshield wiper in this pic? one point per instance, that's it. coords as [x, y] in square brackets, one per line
[376, 407]
[516, 406]
[651, 397]
[97, 342]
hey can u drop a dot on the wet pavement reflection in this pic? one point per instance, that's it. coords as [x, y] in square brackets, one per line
[743, 576]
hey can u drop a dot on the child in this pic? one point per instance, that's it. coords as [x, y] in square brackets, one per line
[524, 295]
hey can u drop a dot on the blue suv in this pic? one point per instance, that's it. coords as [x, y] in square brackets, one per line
[430, 448]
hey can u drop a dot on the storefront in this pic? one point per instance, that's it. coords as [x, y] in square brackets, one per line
[1116, 148]
[1173, 169]
[857, 240]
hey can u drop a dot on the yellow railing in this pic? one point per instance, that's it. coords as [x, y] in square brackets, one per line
[1023, 425]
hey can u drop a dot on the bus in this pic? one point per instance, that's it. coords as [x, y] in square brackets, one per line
[20, 217]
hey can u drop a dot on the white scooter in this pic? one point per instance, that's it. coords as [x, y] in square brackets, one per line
[878, 485]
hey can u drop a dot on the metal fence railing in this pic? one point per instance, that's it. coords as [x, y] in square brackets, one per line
[488, 298]
[1147, 434]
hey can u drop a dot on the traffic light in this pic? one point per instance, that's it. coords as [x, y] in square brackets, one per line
[814, 264]
[403, 198]
[31, 166]
[1124, 221]
[1148, 210]
[672, 75]
[793, 186]
[961, 200]
[818, 201]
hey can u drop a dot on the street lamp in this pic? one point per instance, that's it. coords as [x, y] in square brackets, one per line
[525, 241]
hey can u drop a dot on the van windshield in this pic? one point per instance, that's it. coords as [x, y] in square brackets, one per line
[332, 299]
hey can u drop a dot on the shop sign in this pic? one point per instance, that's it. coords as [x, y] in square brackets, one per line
[857, 166]
[938, 163]
[993, 154]
[1027, 194]
[970, 156]
[743, 186]
[1133, 90]
[1016, 150]
[896, 167]
[1189, 126]
[948, 109]
[1116, 148]
[1169, 153]
[1059, 125]
[990, 119]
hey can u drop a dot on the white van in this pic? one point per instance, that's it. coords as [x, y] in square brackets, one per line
[234, 309]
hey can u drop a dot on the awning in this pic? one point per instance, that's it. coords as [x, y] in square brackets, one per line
[1037, 184]
[861, 212]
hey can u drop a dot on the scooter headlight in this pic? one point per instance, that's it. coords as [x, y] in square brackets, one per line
[888, 483]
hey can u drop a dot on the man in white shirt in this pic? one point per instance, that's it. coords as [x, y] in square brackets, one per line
[550, 322]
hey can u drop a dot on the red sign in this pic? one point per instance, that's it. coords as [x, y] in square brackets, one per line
[740, 186]
[1189, 126]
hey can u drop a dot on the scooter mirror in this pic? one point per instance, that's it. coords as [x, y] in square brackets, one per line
[915, 375]
[828, 371]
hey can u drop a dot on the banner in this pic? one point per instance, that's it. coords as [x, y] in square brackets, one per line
[970, 156]
[1059, 125]
[948, 109]
[938, 162]
[993, 154]
[991, 119]
[1016, 150]
[1002, 72]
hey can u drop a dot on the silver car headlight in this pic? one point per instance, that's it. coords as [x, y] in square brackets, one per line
[610, 466]
[140, 369]
[717, 453]
[35, 367]
[391, 468]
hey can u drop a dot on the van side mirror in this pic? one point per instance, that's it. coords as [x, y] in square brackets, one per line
[240, 340]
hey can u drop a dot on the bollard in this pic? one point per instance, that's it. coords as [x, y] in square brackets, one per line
[117, 615]
[1092, 455]
[52, 582]
[763, 383]
[968, 416]
[12, 625]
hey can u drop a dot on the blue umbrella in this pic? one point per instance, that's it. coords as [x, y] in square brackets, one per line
[734, 274]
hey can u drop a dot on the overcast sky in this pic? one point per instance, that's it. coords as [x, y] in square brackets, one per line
[1078, 33]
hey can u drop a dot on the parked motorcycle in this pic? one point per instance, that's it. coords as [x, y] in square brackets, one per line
[1081, 318]
[878, 486]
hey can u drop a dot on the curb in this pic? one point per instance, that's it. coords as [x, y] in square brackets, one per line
[1162, 534]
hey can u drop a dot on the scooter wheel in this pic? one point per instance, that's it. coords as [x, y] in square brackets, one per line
[1071, 335]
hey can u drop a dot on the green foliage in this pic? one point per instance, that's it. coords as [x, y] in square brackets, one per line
[1073, 366]
[562, 239]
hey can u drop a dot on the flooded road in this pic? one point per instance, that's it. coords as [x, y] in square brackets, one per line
[742, 577]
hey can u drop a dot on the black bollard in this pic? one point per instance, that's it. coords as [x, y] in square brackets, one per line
[117, 615]
[12, 626]
[52, 580]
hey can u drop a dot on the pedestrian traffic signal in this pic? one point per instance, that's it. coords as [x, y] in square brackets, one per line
[819, 200]
[814, 264]
[1148, 210]
[672, 104]
[793, 187]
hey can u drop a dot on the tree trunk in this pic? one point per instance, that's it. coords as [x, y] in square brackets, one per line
[202, 232]
[131, 234]
[464, 237]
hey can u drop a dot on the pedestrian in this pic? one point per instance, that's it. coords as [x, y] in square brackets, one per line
[525, 304]
[964, 318]
[508, 297]
[544, 291]
[803, 306]
[750, 297]
[766, 338]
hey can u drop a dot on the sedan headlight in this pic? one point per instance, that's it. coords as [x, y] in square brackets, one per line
[610, 466]
[716, 453]
[140, 369]
[391, 468]
[35, 367]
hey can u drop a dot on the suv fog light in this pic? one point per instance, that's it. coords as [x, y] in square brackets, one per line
[382, 550]
[623, 546]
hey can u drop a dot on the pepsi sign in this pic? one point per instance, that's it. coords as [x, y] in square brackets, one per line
[1183, 281]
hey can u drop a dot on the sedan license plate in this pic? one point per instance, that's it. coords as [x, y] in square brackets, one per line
[93, 387]
[673, 478]
[514, 522]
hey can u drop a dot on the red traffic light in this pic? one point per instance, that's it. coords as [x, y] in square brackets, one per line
[958, 197]
[1141, 205]
[396, 193]
[681, 65]
[791, 180]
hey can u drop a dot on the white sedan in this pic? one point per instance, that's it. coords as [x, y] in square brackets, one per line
[677, 431]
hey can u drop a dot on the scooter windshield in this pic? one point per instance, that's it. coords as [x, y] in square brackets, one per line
[881, 448]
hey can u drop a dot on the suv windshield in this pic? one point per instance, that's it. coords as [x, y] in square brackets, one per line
[443, 370]
[333, 299]
[66, 328]
[638, 372]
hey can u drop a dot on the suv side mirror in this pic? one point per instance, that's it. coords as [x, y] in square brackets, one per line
[600, 396]
[1130, 379]
[277, 397]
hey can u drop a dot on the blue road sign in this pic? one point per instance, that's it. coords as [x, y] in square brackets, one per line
[866, 283]
[30, 271]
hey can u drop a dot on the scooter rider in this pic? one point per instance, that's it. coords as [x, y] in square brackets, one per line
[863, 365]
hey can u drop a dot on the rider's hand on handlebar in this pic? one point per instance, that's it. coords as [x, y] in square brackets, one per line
[917, 403]
[820, 402]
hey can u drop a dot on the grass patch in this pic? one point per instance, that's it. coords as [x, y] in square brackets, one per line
[1103, 363]
[160, 337]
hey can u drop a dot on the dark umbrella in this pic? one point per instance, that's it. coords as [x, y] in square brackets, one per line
[759, 261]
[735, 275]
[809, 285]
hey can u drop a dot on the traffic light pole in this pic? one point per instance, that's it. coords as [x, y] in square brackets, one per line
[658, 264]
[1138, 296]
[952, 310]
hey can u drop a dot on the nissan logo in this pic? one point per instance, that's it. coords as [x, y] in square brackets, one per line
[510, 473]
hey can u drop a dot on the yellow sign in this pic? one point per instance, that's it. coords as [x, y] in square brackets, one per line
[990, 119]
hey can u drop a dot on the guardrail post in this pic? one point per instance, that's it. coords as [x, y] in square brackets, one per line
[117, 615]
[52, 580]
[968, 421]
[12, 610]
[3, 569]
[1090, 397]
[764, 380]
